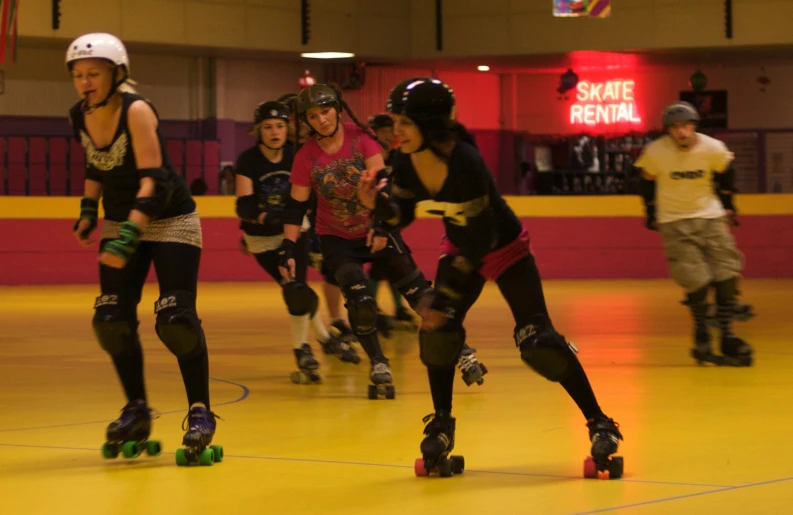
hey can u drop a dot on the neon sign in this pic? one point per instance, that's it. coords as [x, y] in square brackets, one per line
[604, 103]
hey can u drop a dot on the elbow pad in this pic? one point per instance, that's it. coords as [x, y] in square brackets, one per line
[248, 207]
[294, 211]
[163, 192]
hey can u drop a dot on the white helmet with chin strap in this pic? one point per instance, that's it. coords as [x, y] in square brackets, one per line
[100, 45]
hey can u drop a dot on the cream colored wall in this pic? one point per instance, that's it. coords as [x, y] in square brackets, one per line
[361, 26]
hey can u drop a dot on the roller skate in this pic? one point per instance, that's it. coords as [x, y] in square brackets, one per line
[736, 352]
[129, 434]
[342, 331]
[437, 445]
[200, 425]
[605, 436]
[702, 351]
[380, 375]
[341, 350]
[307, 366]
[473, 370]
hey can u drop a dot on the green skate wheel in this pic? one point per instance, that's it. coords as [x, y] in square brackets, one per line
[206, 458]
[109, 451]
[130, 449]
[153, 448]
[218, 450]
[181, 458]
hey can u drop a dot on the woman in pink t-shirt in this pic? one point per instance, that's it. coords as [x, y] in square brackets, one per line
[331, 162]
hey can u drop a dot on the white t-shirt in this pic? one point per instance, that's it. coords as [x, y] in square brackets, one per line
[684, 179]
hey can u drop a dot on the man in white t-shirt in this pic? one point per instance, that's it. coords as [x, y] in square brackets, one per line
[679, 171]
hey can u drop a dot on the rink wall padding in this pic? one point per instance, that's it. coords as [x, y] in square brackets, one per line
[572, 238]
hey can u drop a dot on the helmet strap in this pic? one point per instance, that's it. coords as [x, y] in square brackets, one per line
[88, 109]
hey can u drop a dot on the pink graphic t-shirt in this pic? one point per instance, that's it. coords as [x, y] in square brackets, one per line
[335, 178]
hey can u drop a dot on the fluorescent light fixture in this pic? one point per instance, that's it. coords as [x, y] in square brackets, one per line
[483, 68]
[326, 55]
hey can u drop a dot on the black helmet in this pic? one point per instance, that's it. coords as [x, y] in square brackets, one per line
[269, 110]
[285, 99]
[678, 112]
[380, 121]
[316, 95]
[429, 102]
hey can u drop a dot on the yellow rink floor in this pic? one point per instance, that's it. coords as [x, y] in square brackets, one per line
[698, 440]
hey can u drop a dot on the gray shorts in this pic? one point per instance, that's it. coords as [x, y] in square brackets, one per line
[700, 251]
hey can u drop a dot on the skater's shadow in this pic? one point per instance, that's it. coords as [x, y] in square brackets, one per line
[91, 461]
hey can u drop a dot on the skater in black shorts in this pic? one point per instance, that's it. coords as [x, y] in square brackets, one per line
[150, 217]
[262, 189]
[439, 166]
[331, 163]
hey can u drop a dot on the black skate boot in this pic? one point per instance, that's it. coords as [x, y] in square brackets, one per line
[605, 436]
[702, 351]
[307, 366]
[473, 370]
[382, 385]
[341, 350]
[736, 352]
[342, 331]
[129, 434]
[437, 445]
[200, 425]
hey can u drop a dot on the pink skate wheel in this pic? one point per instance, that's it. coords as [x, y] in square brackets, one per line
[419, 468]
[590, 468]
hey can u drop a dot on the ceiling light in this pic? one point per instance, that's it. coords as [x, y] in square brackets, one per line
[326, 55]
[483, 68]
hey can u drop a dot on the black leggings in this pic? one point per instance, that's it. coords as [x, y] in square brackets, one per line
[520, 285]
[269, 261]
[176, 265]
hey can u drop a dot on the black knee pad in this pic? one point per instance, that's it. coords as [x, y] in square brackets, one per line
[114, 333]
[544, 350]
[362, 312]
[300, 299]
[361, 306]
[441, 348]
[178, 325]
[412, 283]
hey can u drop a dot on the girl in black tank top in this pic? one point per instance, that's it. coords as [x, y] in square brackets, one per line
[150, 217]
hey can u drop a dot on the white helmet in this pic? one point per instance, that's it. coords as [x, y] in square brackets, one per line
[98, 46]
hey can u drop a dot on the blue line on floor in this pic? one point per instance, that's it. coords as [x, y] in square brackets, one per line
[245, 392]
[685, 496]
[389, 465]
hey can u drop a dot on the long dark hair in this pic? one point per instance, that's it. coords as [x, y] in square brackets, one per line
[453, 131]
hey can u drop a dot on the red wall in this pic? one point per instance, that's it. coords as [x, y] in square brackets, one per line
[45, 252]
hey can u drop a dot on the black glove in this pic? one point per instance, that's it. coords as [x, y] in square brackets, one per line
[286, 252]
[89, 210]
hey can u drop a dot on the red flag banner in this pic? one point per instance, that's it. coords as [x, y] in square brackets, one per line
[5, 6]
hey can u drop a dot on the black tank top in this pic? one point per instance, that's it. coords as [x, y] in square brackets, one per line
[114, 166]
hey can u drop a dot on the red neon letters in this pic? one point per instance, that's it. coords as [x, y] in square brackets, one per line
[604, 103]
